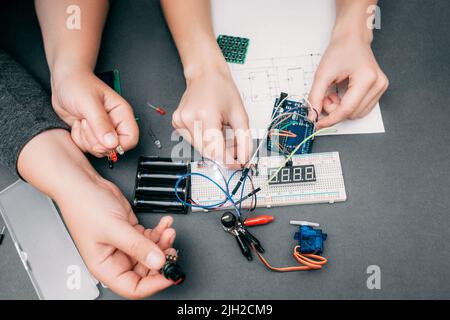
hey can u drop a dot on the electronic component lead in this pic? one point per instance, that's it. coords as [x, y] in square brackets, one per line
[172, 271]
[156, 141]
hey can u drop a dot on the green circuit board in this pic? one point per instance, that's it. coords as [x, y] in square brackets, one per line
[234, 49]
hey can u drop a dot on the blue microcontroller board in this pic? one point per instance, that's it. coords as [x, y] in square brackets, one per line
[298, 126]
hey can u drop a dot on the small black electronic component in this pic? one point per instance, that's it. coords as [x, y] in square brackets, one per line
[155, 139]
[241, 180]
[288, 132]
[234, 49]
[171, 270]
[293, 174]
[155, 186]
[2, 234]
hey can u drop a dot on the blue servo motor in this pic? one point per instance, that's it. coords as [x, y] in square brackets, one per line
[310, 240]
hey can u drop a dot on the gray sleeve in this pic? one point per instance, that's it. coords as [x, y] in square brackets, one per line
[25, 111]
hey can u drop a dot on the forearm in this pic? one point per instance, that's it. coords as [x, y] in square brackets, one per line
[52, 163]
[66, 48]
[351, 19]
[191, 27]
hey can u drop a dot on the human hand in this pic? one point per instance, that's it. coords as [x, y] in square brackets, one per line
[100, 118]
[118, 251]
[211, 102]
[351, 59]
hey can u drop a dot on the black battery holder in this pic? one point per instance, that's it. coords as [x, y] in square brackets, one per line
[154, 190]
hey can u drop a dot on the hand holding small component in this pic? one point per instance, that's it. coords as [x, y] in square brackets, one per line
[101, 120]
[349, 59]
[118, 251]
[210, 103]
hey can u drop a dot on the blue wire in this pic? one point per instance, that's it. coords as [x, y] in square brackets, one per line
[231, 177]
[226, 192]
[243, 187]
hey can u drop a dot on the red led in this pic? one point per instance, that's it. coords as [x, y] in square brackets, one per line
[113, 156]
[160, 110]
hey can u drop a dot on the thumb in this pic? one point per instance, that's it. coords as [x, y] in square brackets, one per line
[130, 241]
[319, 90]
[100, 122]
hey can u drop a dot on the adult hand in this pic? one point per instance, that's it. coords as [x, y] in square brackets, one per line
[351, 59]
[100, 118]
[210, 103]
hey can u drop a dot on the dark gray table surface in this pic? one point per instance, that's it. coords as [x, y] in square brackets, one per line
[398, 183]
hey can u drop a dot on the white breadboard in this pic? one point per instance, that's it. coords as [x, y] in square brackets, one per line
[328, 188]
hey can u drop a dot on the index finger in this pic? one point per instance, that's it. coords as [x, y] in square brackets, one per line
[350, 101]
[322, 81]
[124, 121]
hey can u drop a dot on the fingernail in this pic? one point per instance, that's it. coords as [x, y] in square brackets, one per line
[84, 123]
[155, 259]
[110, 139]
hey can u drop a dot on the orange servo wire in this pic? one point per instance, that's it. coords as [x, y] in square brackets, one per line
[309, 261]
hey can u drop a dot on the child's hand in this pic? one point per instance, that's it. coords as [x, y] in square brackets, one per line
[118, 251]
[210, 102]
[100, 118]
[347, 59]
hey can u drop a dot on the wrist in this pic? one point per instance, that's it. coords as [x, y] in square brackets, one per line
[64, 68]
[206, 59]
[353, 25]
[61, 168]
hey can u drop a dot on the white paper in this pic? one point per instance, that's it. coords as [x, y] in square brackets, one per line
[287, 40]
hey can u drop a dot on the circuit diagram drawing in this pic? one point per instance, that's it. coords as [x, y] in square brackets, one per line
[262, 80]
